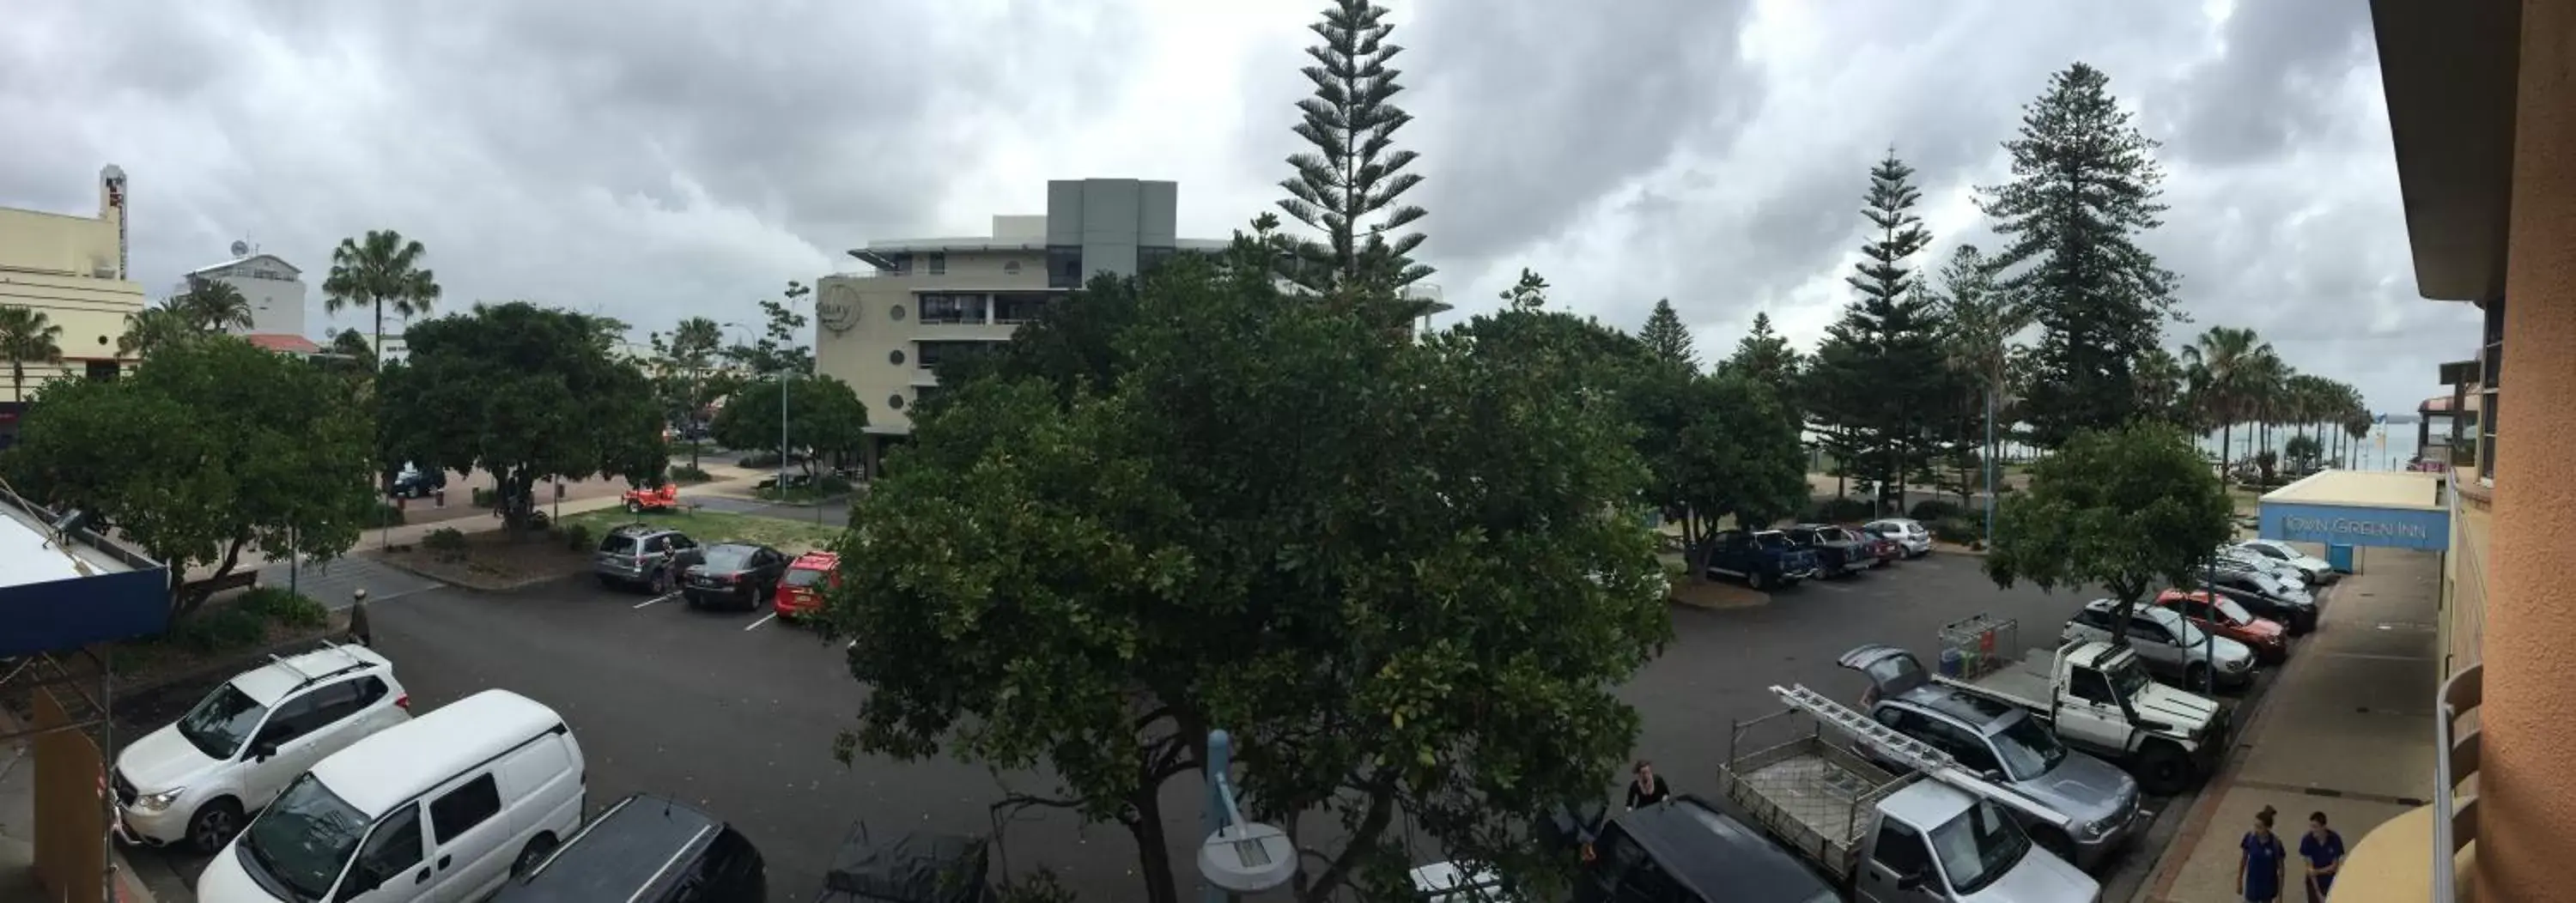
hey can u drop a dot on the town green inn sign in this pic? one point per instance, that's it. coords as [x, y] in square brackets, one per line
[2384, 510]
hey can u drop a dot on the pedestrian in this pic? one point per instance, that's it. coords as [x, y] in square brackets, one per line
[358, 630]
[2323, 849]
[2260, 869]
[1649, 788]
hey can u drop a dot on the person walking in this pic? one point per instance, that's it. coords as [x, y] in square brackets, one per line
[358, 630]
[1649, 788]
[2260, 869]
[2323, 850]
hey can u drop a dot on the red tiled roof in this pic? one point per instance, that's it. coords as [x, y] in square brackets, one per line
[284, 343]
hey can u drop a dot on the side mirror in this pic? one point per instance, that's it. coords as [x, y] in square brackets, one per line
[263, 750]
[1910, 881]
[1993, 774]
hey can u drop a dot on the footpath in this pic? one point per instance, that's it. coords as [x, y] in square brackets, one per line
[2347, 730]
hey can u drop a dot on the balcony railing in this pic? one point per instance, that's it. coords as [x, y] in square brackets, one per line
[2455, 816]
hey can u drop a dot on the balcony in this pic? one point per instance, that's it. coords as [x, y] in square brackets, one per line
[2424, 856]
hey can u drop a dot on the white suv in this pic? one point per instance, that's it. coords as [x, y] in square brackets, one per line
[193, 782]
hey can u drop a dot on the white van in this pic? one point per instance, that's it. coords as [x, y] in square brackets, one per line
[444, 808]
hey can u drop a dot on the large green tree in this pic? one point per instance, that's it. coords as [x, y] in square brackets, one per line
[221, 450]
[27, 336]
[1350, 186]
[2129, 510]
[1727, 448]
[1879, 379]
[2224, 365]
[1088, 560]
[212, 306]
[2083, 194]
[380, 271]
[1665, 336]
[823, 414]
[524, 393]
[684, 360]
[1765, 356]
[1980, 324]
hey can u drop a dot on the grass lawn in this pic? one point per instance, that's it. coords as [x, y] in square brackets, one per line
[714, 526]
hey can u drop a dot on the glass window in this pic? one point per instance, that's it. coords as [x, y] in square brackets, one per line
[391, 849]
[2491, 359]
[1979, 846]
[1148, 257]
[1021, 307]
[1064, 266]
[2236, 614]
[938, 263]
[222, 722]
[1900, 851]
[464, 807]
[680, 543]
[337, 701]
[803, 577]
[951, 308]
[1966, 747]
[294, 719]
[304, 838]
[721, 557]
[2027, 749]
[102, 371]
[617, 544]
[2091, 686]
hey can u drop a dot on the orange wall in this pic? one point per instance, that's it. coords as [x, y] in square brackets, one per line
[2527, 803]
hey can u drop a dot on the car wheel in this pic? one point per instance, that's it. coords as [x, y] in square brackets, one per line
[1757, 580]
[214, 825]
[532, 856]
[634, 507]
[2164, 769]
[2195, 677]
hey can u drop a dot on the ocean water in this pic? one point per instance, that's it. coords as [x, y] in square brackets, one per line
[2388, 447]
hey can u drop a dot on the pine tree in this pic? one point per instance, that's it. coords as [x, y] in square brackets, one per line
[1666, 338]
[1529, 294]
[1349, 186]
[2084, 190]
[1765, 357]
[1880, 376]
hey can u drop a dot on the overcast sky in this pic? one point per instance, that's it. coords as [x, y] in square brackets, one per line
[659, 158]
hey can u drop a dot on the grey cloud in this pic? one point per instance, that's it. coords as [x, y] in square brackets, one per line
[2274, 84]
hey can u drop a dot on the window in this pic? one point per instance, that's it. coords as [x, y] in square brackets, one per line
[1064, 266]
[1968, 748]
[895, 401]
[938, 263]
[2147, 630]
[102, 371]
[335, 702]
[2092, 687]
[292, 720]
[902, 264]
[391, 849]
[461, 809]
[946, 308]
[681, 543]
[1149, 257]
[1021, 307]
[2491, 360]
[895, 357]
[1901, 851]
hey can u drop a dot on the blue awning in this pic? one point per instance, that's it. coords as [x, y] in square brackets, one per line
[2362, 508]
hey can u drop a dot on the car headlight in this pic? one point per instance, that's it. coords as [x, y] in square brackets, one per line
[155, 802]
[2236, 662]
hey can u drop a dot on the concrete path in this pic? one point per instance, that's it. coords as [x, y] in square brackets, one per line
[2363, 682]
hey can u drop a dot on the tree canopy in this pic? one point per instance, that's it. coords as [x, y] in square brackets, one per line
[1263, 517]
[1878, 380]
[823, 414]
[380, 271]
[525, 393]
[1665, 337]
[781, 345]
[1350, 186]
[2128, 510]
[222, 450]
[1765, 356]
[2083, 193]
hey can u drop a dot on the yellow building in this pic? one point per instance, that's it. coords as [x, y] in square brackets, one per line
[2482, 106]
[74, 270]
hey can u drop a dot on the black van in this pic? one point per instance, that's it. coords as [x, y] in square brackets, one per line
[647, 849]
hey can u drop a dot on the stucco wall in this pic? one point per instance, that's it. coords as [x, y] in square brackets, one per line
[91, 312]
[2528, 813]
[863, 355]
[2464, 608]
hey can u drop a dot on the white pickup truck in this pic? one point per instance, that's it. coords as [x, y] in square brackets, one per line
[2096, 696]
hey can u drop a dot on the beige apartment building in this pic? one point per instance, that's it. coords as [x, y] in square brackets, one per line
[74, 270]
[883, 329]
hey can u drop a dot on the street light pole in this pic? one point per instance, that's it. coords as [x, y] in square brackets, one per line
[1212, 814]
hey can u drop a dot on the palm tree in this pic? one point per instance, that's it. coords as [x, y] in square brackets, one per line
[2219, 362]
[211, 306]
[154, 328]
[26, 334]
[378, 271]
[2265, 376]
[2161, 383]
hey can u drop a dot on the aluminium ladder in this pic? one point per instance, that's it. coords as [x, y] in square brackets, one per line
[1904, 750]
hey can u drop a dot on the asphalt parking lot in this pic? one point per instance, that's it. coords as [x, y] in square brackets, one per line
[738, 712]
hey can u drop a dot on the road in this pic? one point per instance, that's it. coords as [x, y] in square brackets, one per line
[740, 714]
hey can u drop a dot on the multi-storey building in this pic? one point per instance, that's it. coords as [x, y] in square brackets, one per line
[884, 329]
[74, 270]
[2482, 107]
[274, 288]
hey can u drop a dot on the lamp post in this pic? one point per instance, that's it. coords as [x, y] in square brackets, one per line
[1239, 856]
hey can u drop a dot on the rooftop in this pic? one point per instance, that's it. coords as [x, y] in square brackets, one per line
[29, 554]
[283, 343]
[2364, 489]
[405, 761]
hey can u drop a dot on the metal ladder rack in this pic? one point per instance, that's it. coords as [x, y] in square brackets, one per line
[1910, 752]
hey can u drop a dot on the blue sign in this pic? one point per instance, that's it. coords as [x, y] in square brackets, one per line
[2345, 525]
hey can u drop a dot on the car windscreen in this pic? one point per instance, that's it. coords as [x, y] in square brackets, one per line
[222, 722]
[304, 839]
[618, 544]
[722, 558]
[2027, 749]
[1979, 846]
[2236, 614]
[802, 578]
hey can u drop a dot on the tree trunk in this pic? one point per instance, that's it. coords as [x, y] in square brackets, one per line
[1153, 852]
[2226, 432]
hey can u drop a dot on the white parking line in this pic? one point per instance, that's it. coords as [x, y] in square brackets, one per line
[764, 619]
[665, 597]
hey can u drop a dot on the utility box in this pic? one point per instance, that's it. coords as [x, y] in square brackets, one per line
[2345, 559]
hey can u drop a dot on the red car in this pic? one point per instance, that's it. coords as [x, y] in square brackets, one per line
[2269, 640]
[800, 593]
[1886, 550]
[660, 498]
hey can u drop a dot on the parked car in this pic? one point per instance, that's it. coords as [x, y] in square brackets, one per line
[1837, 552]
[2013, 748]
[445, 807]
[800, 590]
[2172, 649]
[1907, 532]
[414, 483]
[648, 849]
[1881, 550]
[2233, 557]
[2318, 571]
[734, 575]
[2267, 596]
[1451, 882]
[1763, 558]
[1685, 850]
[1886, 837]
[2269, 640]
[645, 555]
[193, 782]
[2097, 697]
